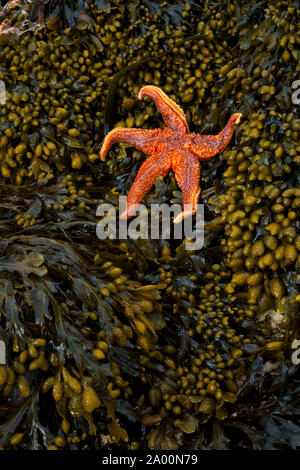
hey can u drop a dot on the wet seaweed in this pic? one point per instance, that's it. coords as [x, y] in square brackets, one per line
[145, 344]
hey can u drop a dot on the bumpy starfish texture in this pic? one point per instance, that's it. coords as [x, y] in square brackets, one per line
[170, 148]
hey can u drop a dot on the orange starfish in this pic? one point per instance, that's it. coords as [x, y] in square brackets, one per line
[172, 147]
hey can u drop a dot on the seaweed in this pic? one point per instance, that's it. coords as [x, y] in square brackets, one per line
[143, 344]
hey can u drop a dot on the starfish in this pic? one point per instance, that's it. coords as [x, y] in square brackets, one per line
[172, 147]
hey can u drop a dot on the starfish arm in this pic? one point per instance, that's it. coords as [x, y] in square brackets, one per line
[172, 114]
[153, 167]
[187, 174]
[142, 139]
[207, 146]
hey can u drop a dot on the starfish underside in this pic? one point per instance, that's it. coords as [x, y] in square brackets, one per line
[170, 148]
